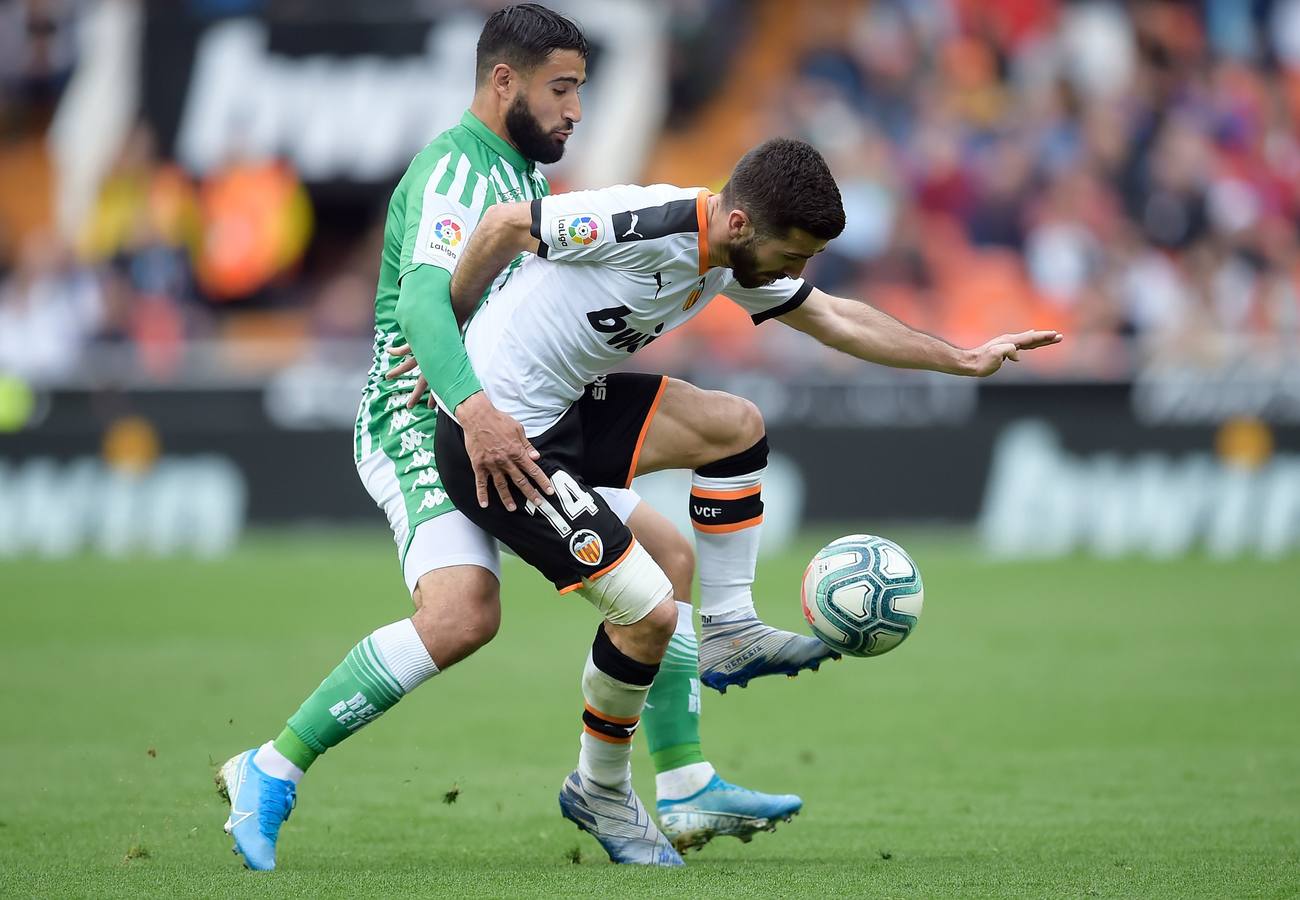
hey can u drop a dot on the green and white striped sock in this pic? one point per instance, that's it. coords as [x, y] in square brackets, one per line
[672, 712]
[378, 672]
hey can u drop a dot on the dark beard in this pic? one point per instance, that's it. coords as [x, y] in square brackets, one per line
[744, 264]
[534, 142]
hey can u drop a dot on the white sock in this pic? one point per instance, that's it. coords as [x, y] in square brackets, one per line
[677, 784]
[404, 654]
[745, 611]
[614, 687]
[604, 763]
[274, 763]
[726, 514]
[685, 620]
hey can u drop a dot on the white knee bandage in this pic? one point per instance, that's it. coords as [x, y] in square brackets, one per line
[626, 594]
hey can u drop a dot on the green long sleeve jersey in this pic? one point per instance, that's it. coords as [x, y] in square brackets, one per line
[433, 211]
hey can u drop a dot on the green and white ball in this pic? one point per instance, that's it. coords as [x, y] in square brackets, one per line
[862, 595]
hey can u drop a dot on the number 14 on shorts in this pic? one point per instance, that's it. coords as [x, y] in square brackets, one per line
[572, 497]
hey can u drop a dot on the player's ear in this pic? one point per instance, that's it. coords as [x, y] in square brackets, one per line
[738, 224]
[503, 79]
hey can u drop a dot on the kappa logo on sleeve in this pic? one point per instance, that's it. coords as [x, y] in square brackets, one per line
[581, 230]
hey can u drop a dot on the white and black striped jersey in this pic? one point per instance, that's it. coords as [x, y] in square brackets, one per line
[615, 269]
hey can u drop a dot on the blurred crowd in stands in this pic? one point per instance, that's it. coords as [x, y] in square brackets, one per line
[1103, 169]
[1126, 172]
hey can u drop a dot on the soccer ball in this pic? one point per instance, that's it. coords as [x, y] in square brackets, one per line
[862, 595]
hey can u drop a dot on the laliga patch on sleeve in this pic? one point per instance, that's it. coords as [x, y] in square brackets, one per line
[447, 236]
[571, 232]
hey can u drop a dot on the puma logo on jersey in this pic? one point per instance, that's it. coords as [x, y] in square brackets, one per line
[660, 284]
[650, 222]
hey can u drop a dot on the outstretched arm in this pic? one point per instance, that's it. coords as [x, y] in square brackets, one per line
[503, 233]
[865, 332]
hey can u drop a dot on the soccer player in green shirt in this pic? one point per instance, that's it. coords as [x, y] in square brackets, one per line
[531, 64]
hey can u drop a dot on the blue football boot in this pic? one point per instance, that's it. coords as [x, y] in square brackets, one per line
[618, 821]
[733, 652]
[723, 809]
[259, 805]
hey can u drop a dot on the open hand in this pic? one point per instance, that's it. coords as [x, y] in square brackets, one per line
[406, 365]
[498, 449]
[987, 359]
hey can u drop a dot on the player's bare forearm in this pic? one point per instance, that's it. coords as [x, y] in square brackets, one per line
[865, 332]
[869, 334]
[502, 234]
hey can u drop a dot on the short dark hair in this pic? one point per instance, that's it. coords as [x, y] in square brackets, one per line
[523, 36]
[784, 184]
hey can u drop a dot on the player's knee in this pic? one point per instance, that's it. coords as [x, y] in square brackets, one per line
[738, 426]
[750, 427]
[453, 634]
[631, 591]
[660, 623]
[477, 613]
[458, 610]
[481, 625]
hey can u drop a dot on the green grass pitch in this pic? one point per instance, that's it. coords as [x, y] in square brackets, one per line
[1062, 729]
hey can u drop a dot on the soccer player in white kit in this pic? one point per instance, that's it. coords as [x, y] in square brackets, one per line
[613, 270]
